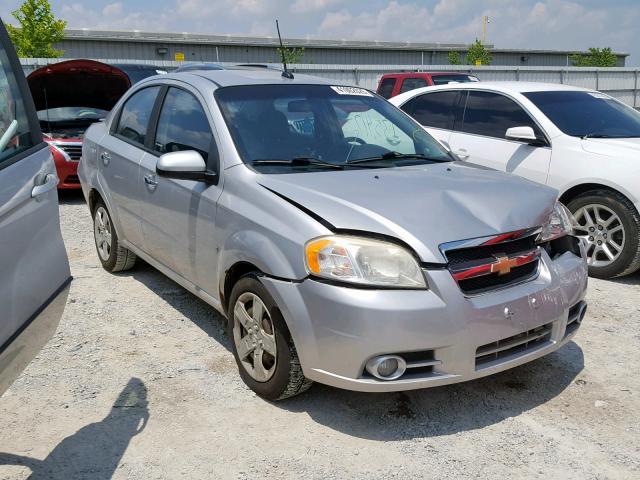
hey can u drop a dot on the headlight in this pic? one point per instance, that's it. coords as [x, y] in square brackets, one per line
[560, 224]
[363, 261]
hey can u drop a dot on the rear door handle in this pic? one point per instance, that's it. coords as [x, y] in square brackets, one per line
[462, 153]
[50, 182]
[106, 158]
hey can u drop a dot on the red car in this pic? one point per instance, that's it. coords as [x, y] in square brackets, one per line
[69, 96]
[393, 84]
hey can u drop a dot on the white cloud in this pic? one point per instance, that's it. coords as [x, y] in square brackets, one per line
[112, 9]
[307, 6]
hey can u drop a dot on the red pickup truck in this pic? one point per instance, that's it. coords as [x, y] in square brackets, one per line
[393, 84]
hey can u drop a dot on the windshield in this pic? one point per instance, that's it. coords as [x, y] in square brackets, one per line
[593, 114]
[71, 114]
[336, 125]
[69, 122]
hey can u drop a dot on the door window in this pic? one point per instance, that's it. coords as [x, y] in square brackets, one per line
[491, 114]
[412, 84]
[15, 131]
[135, 115]
[386, 87]
[183, 125]
[433, 109]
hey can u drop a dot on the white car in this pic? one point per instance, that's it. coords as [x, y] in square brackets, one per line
[582, 142]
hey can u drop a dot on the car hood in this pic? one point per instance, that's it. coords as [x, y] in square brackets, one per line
[77, 83]
[612, 146]
[424, 206]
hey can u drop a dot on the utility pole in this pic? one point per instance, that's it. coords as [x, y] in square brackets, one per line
[485, 21]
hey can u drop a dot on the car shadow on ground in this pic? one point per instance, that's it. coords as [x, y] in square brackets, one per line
[633, 279]
[70, 197]
[95, 450]
[199, 312]
[442, 410]
[396, 416]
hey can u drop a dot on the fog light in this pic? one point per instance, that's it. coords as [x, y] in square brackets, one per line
[386, 367]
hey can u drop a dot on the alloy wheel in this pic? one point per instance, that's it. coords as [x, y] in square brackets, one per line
[603, 234]
[102, 233]
[254, 338]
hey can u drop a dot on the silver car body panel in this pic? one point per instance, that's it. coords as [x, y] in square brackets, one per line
[196, 232]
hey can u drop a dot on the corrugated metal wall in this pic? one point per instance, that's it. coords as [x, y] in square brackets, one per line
[207, 51]
[622, 83]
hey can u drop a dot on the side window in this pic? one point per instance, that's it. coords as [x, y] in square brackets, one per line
[15, 132]
[183, 125]
[433, 109]
[491, 114]
[412, 84]
[386, 87]
[135, 115]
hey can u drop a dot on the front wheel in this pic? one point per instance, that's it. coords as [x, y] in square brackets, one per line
[609, 224]
[262, 345]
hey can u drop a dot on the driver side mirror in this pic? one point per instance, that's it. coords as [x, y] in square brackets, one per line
[524, 134]
[185, 165]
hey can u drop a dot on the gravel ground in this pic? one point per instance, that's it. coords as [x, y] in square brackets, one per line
[139, 383]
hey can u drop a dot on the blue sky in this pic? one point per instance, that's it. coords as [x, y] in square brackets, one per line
[546, 24]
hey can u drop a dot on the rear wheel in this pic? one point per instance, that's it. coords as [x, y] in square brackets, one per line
[114, 258]
[262, 345]
[609, 224]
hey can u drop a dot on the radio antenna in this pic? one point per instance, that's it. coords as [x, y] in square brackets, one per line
[286, 73]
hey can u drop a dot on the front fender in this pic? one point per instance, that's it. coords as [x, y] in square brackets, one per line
[259, 250]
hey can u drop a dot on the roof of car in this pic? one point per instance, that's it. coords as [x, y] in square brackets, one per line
[496, 86]
[510, 86]
[250, 76]
[417, 74]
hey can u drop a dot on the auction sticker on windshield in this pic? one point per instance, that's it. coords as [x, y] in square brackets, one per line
[352, 91]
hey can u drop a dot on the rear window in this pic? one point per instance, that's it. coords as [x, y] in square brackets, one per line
[412, 83]
[433, 109]
[454, 78]
[385, 88]
[135, 116]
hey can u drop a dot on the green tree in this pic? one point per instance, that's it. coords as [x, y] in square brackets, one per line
[291, 55]
[477, 52]
[454, 58]
[597, 57]
[38, 30]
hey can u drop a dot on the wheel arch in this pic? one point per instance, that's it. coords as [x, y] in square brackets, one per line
[580, 188]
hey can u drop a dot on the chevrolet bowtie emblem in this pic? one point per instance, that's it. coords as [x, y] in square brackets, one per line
[503, 264]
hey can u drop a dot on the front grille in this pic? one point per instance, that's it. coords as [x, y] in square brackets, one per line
[74, 151]
[498, 262]
[513, 347]
[486, 283]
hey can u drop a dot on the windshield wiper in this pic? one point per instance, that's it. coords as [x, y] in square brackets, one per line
[298, 162]
[597, 135]
[395, 156]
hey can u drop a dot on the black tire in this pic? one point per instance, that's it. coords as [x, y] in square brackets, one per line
[629, 260]
[287, 379]
[119, 258]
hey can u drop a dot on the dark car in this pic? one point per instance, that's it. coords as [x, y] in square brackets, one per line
[70, 96]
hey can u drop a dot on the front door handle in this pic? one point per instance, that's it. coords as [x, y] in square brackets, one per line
[50, 182]
[462, 153]
[106, 158]
[151, 182]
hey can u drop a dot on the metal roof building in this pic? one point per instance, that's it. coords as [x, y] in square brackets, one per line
[158, 46]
